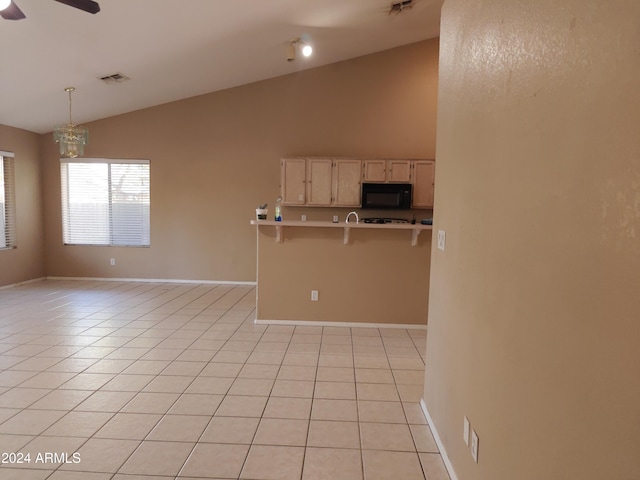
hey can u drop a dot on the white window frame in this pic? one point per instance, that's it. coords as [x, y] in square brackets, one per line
[7, 201]
[95, 221]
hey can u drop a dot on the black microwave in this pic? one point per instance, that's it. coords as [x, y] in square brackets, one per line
[387, 196]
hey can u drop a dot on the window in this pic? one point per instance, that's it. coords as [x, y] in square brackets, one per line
[7, 201]
[105, 202]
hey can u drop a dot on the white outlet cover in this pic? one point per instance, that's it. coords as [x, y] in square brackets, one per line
[314, 295]
[442, 240]
[465, 433]
[475, 444]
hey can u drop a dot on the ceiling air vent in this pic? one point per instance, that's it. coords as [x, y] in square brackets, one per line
[399, 7]
[115, 78]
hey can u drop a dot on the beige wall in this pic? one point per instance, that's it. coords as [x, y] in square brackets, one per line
[534, 310]
[377, 278]
[214, 158]
[25, 262]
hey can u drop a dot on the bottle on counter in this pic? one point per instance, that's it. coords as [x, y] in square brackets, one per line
[278, 217]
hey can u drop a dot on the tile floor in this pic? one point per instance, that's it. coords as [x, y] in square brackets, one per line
[133, 381]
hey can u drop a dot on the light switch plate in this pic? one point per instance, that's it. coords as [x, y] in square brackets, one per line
[475, 444]
[441, 239]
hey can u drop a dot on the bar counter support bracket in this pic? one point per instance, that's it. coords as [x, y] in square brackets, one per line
[414, 236]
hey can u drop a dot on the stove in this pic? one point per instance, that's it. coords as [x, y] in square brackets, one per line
[382, 220]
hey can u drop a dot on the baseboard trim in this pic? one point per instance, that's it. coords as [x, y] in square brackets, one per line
[17, 284]
[436, 436]
[153, 280]
[314, 323]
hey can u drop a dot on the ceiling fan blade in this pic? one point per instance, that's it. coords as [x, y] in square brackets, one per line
[86, 5]
[12, 12]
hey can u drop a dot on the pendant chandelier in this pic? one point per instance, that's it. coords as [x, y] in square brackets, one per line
[72, 138]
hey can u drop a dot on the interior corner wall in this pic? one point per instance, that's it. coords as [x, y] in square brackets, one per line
[534, 305]
[216, 157]
[26, 262]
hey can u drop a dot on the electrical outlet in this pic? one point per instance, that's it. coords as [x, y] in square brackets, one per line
[465, 434]
[112, 261]
[475, 444]
[442, 239]
[303, 217]
[314, 295]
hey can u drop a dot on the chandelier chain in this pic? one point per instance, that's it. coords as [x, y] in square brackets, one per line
[69, 90]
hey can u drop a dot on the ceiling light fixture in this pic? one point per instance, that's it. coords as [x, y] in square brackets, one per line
[306, 49]
[72, 138]
[4, 4]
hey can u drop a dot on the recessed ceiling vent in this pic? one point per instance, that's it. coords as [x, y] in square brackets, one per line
[115, 78]
[399, 7]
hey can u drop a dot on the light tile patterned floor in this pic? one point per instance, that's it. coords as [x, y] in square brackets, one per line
[174, 381]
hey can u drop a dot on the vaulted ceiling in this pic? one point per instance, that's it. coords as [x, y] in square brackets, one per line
[175, 49]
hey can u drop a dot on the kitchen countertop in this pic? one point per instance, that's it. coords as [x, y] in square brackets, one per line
[326, 224]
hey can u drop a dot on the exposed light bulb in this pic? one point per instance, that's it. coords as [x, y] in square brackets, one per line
[307, 50]
[4, 4]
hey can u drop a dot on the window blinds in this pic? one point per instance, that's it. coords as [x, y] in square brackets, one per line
[105, 202]
[7, 201]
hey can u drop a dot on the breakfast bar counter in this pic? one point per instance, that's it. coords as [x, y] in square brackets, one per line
[325, 273]
[279, 226]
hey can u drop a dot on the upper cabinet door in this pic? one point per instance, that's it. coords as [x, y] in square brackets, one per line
[319, 181]
[399, 171]
[387, 171]
[375, 170]
[346, 183]
[292, 181]
[423, 180]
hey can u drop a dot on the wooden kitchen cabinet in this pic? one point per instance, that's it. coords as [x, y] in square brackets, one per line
[293, 181]
[374, 170]
[346, 187]
[423, 181]
[319, 181]
[379, 171]
[399, 171]
[337, 182]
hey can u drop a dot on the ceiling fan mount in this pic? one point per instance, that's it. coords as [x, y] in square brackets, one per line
[13, 12]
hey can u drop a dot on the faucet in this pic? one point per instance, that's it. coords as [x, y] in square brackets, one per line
[349, 216]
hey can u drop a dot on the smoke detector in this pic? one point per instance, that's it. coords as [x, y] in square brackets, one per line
[399, 7]
[115, 78]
